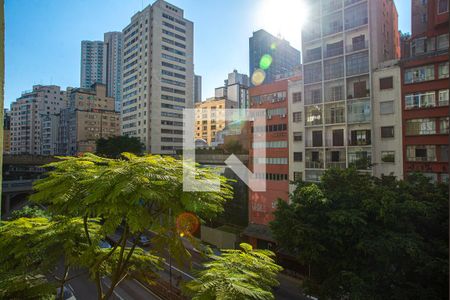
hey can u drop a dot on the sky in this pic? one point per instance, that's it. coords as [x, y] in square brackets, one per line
[43, 37]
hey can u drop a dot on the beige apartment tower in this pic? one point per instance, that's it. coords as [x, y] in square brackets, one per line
[157, 76]
[89, 117]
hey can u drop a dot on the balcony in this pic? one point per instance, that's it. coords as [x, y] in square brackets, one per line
[313, 144]
[333, 52]
[357, 46]
[338, 165]
[314, 164]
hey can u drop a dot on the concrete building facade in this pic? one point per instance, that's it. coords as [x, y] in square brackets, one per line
[91, 63]
[197, 89]
[27, 114]
[158, 76]
[112, 66]
[90, 116]
[235, 89]
[343, 44]
[210, 118]
[270, 56]
[425, 92]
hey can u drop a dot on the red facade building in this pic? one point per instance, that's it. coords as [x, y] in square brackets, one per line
[273, 98]
[425, 91]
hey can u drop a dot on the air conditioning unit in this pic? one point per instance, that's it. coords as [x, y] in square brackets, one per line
[269, 117]
[283, 116]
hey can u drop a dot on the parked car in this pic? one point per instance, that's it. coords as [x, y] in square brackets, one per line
[68, 293]
[104, 244]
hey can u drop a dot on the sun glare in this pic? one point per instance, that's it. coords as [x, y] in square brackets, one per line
[283, 17]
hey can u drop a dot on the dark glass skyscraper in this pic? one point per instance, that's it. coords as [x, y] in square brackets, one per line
[271, 55]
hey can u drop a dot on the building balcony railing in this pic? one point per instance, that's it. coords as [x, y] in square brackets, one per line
[335, 120]
[314, 164]
[311, 144]
[357, 46]
[339, 165]
[331, 143]
[359, 143]
[333, 52]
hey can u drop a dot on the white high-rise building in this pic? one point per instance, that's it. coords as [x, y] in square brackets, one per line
[158, 76]
[91, 63]
[33, 119]
[112, 66]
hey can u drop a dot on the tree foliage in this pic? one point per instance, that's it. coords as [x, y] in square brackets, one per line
[113, 147]
[236, 274]
[29, 212]
[368, 238]
[90, 197]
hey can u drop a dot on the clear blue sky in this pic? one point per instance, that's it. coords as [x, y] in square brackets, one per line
[43, 37]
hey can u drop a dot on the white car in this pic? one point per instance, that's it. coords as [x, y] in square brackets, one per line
[68, 293]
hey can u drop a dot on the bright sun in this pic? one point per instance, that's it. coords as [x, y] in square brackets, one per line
[283, 17]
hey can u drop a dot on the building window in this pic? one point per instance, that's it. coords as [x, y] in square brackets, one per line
[442, 6]
[298, 156]
[297, 116]
[420, 100]
[443, 70]
[419, 74]
[420, 127]
[386, 107]
[421, 153]
[298, 136]
[443, 125]
[443, 97]
[386, 83]
[358, 63]
[442, 42]
[388, 156]
[360, 137]
[297, 97]
[387, 131]
[313, 115]
[298, 176]
[444, 153]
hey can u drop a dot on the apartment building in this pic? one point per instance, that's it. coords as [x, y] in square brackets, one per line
[6, 131]
[235, 88]
[27, 114]
[425, 91]
[210, 118]
[269, 57]
[158, 76]
[90, 116]
[91, 63]
[112, 66]
[343, 43]
[272, 97]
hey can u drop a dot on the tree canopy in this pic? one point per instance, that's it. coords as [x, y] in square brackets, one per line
[90, 197]
[113, 147]
[368, 238]
[236, 274]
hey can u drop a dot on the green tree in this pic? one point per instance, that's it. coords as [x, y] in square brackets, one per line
[29, 211]
[368, 238]
[236, 274]
[112, 147]
[100, 195]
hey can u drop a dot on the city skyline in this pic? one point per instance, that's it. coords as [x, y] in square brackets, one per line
[61, 55]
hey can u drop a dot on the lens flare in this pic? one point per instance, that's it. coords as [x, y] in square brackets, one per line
[273, 46]
[265, 62]
[258, 77]
[187, 224]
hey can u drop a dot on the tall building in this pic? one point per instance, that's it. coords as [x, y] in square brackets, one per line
[27, 114]
[91, 63]
[158, 74]
[89, 117]
[197, 88]
[272, 97]
[425, 91]
[270, 56]
[210, 118]
[112, 66]
[344, 42]
[6, 131]
[235, 89]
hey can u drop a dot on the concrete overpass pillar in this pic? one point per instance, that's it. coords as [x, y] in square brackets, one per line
[6, 205]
